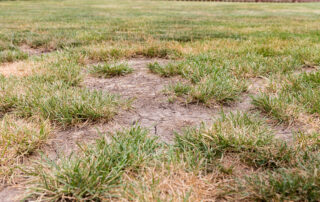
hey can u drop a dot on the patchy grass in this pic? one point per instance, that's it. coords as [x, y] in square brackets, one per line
[235, 134]
[12, 55]
[18, 139]
[96, 173]
[131, 165]
[295, 100]
[57, 102]
[298, 183]
[285, 184]
[208, 83]
[110, 70]
[218, 49]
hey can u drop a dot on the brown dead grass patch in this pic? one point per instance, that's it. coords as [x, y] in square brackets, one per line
[34, 51]
[173, 183]
[18, 139]
[18, 69]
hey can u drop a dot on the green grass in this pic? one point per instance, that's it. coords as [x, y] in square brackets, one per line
[53, 93]
[298, 183]
[110, 70]
[12, 55]
[57, 102]
[209, 83]
[298, 94]
[302, 185]
[96, 173]
[125, 164]
[236, 134]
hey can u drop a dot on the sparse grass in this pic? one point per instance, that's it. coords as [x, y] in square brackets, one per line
[131, 165]
[53, 93]
[167, 71]
[299, 183]
[285, 184]
[209, 83]
[297, 96]
[180, 89]
[110, 70]
[18, 139]
[96, 173]
[216, 48]
[236, 134]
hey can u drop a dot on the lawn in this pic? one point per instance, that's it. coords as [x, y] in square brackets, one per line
[144, 100]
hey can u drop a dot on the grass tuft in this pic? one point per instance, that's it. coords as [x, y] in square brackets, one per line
[235, 134]
[209, 83]
[96, 172]
[107, 70]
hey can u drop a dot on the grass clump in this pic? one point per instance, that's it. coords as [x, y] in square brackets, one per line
[209, 82]
[235, 134]
[107, 70]
[283, 185]
[96, 172]
[180, 89]
[159, 52]
[18, 139]
[301, 182]
[58, 102]
[167, 71]
[273, 106]
[54, 93]
[61, 67]
[298, 94]
[12, 55]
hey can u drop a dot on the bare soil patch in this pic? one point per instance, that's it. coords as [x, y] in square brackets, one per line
[11, 194]
[19, 69]
[34, 51]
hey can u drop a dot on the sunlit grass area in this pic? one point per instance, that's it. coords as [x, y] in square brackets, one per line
[211, 54]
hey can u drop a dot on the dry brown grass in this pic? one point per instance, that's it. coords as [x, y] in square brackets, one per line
[172, 182]
[18, 69]
[18, 139]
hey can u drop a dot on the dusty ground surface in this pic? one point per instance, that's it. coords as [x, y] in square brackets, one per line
[11, 194]
[34, 51]
[19, 69]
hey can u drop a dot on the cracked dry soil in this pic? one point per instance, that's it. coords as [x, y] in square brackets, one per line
[150, 109]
